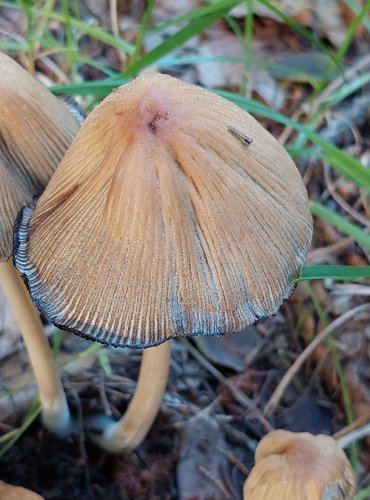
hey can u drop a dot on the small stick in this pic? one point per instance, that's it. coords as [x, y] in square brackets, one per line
[290, 374]
[235, 391]
[354, 436]
[244, 138]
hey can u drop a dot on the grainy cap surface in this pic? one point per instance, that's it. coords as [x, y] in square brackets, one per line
[35, 132]
[292, 466]
[162, 220]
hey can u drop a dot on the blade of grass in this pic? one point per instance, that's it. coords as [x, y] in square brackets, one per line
[233, 24]
[363, 494]
[142, 32]
[356, 9]
[264, 63]
[9, 45]
[333, 272]
[345, 90]
[247, 45]
[17, 433]
[351, 31]
[97, 88]
[197, 13]
[26, 6]
[175, 41]
[70, 40]
[93, 31]
[341, 223]
[347, 402]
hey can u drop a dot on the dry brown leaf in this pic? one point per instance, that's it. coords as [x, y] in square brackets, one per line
[231, 351]
[323, 17]
[202, 461]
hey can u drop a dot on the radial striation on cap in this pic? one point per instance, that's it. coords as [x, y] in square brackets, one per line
[173, 213]
[35, 131]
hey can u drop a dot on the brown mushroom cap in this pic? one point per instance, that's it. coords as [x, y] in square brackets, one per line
[162, 221]
[10, 492]
[35, 132]
[291, 466]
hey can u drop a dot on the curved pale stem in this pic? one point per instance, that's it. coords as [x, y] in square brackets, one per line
[131, 429]
[55, 412]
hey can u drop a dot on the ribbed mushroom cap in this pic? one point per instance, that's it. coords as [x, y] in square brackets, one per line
[162, 221]
[35, 132]
[292, 466]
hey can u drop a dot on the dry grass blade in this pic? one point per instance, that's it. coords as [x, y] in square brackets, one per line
[237, 393]
[290, 374]
[354, 436]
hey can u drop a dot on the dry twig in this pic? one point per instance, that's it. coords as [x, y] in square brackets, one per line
[290, 374]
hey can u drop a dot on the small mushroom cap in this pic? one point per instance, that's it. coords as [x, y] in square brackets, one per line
[10, 492]
[163, 221]
[35, 132]
[291, 466]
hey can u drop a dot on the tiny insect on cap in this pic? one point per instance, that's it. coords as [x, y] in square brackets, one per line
[35, 132]
[163, 220]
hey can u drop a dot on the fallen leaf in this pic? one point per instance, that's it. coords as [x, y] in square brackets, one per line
[202, 462]
[231, 351]
[325, 18]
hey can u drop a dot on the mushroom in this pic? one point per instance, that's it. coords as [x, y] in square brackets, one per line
[163, 220]
[35, 131]
[292, 465]
[10, 492]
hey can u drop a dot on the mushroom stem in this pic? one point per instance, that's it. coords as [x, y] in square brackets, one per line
[130, 430]
[55, 412]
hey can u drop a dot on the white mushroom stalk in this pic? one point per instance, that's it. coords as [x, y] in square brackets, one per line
[131, 429]
[55, 412]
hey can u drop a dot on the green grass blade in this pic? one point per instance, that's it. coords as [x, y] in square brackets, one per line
[13, 45]
[196, 14]
[31, 416]
[93, 31]
[97, 88]
[363, 494]
[333, 272]
[345, 90]
[351, 31]
[142, 32]
[175, 41]
[341, 223]
[356, 9]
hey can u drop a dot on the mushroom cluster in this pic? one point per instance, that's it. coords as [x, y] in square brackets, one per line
[35, 131]
[291, 466]
[173, 213]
